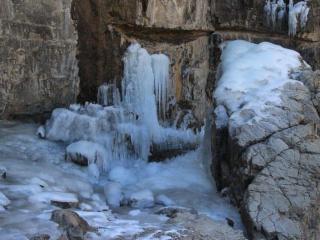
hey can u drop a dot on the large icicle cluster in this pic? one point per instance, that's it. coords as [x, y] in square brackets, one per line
[116, 137]
[277, 13]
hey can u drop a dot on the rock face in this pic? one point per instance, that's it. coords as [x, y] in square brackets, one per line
[183, 31]
[272, 164]
[180, 29]
[38, 67]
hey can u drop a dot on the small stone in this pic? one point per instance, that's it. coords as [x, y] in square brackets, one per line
[40, 237]
[75, 227]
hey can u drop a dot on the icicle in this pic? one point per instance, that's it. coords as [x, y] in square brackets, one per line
[274, 9]
[293, 21]
[267, 11]
[162, 83]
[282, 13]
[298, 11]
[108, 95]
[304, 16]
[138, 87]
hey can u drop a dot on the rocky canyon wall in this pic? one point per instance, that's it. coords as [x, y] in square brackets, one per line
[183, 30]
[39, 69]
[179, 29]
[38, 66]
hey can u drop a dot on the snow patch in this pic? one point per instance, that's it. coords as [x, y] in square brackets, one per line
[252, 78]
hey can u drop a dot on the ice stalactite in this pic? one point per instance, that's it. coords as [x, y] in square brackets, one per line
[276, 15]
[274, 10]
[108, 95]
[293, 21]
[298, 13]
[267, 12]
[138, 87]
[163, 84]
[130, 128]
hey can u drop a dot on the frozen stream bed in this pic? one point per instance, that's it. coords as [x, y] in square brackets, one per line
[39, 178]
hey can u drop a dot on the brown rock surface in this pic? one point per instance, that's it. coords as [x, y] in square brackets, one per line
[38, 68]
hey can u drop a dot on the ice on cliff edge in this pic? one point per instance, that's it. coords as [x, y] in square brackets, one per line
[127, 130]
[252, 77]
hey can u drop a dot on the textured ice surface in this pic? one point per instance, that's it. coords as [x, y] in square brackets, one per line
[252, 77]
[116, 141]
[37, 172]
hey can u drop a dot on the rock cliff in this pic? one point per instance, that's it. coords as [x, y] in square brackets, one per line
[267, 157]
[182, 30]
[38, 67]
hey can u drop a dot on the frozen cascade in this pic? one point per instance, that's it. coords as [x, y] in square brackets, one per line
[108, 95]
[127, 129]
[163, 84]
[138, 88]
[115, 137]
[276, 13]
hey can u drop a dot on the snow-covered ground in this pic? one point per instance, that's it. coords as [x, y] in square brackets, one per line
[38, 174]
[94, 160]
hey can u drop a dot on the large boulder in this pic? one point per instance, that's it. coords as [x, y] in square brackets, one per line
[270, 159]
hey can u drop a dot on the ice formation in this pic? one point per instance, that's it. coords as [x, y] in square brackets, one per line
[297, 15]
[163, 84]
[252, 78]
[275, 12]
[108, 95]
[116, 137]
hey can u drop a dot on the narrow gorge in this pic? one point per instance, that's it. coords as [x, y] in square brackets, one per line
[159, 119]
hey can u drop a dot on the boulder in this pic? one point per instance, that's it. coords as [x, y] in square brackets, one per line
[271, 164]
[73, 225]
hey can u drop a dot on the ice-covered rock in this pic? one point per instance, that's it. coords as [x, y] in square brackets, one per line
[276, 15]
[85, 153]
[4, 201]
[75, 227]
[113, 193]
[3, 172]
[164, 200]
[41, 132]
[61, 199]
[270, 144]
[142, 199]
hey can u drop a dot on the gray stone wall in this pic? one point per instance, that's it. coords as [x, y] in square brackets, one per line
[38, 66]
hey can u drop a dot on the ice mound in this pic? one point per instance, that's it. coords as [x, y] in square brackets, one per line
[122, 135]
[253, 76]
[85, 153]
[4, 201]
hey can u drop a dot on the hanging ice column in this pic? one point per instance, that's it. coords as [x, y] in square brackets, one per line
[297, 12]
[138, 87]
[163, 85]
[146, 85]
[276, 13]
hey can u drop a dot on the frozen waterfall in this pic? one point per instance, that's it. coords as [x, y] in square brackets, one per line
[276, 13]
